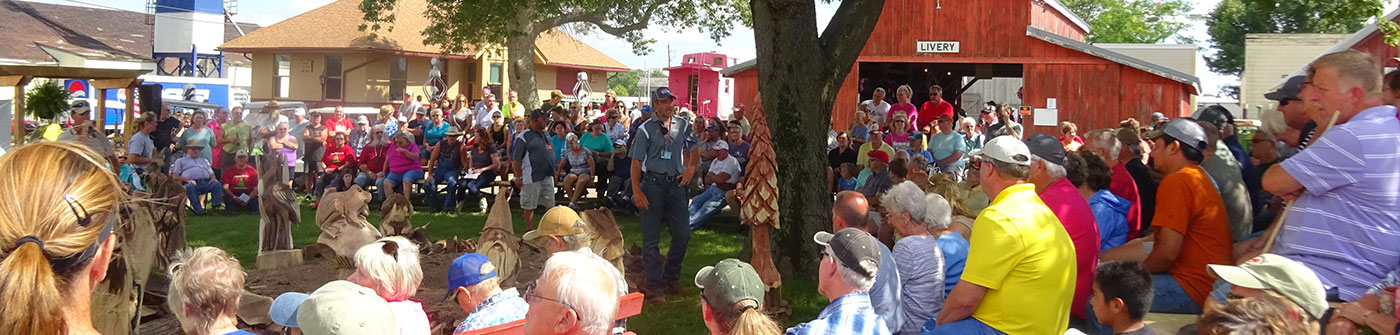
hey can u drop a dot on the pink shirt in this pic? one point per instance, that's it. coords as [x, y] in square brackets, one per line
[397, 162]
[907, 109]
[410, 318]
[1123, 186]
[1074, 213]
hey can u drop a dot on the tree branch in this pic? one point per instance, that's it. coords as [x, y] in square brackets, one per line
[845, 36]
[599, 19]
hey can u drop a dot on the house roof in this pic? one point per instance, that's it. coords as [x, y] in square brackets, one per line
[1346, 43]
[1115, 57]
[27, 28]
[557, 48]
[336, 26]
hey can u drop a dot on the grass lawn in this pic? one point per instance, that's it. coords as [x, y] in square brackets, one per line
[680, 315]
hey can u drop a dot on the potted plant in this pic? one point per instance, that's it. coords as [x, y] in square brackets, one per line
[47, 102]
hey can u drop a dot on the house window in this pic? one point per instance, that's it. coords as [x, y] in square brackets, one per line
[398, 77]
[719, 61]
[497, 74]
[694, 91]
[331, 85]
[282, 84]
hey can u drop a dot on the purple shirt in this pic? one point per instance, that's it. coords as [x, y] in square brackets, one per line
[397, 162]
[1346, 226]
[1074, 213]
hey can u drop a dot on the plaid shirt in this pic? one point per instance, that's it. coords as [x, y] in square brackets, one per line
[849, 314]
[499, 309]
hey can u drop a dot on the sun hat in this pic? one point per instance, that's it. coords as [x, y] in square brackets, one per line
[344, 308]
[729, 282]
[1288, 277]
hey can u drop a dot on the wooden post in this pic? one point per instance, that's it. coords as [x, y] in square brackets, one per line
[102, 85]
[18, 82]
[99, 115]
[130, 111]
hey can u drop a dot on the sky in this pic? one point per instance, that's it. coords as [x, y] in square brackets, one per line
[739, 44]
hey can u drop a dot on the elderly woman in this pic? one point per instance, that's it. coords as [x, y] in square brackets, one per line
[952, 239]
[401, 163]
[436, 128]
[577, 169]
[390, 267]
[918, 218]
[199, 134]
[972, 136]
[205, 287]
[388, 119]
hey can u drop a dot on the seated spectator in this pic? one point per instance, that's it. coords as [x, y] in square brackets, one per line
[1133, 159]
[917, 254]
[472, 283]
[1021, 261]
[359, 136]
[619, 193]
[1225, 172]
[574, 295]
[1122, 296]
[615, 129]
[197, 175]
[850, 210]
[847, 182]
[401, 165]
[1343, 224]
[739, 146]
[560, 229]
[1371, 310]
[324, 311]
[337, 163]
[577, 169]
[949, 149]
[595, 139]
[850, 262]
[1105, 144]
[732, 299]
[485, 162]
[951, 241]
[1052, 183]
[898, 137]
[1069, 137]
[209, 283]
[722, 177]
[876, 143]
[1110, 210]
[1264, 314]
[916, 147]
[390, 267]
[559, 131]
[880, 179]
[370, 160]
[283, 311]
[843, 154]
[444, 166]
[1275, 275]
[240, 182]
[1190, 229]
[957, 196]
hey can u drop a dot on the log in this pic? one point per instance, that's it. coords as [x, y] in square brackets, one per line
[279, 259]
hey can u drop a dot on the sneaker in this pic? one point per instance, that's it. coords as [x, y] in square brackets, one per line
[482, 203]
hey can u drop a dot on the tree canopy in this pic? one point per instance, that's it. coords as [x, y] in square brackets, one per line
[1131, 21]
[1233, 19]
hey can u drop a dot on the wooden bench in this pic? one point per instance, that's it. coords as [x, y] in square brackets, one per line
[628, 306]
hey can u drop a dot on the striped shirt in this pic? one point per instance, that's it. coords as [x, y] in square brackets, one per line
[1347, 223]
[849, 314]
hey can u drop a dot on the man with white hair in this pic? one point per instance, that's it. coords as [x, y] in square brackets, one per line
[1048, 160]
[852, 210]
[1105, 144]
[204, 291]
[1021, 259]
[850, 261]
[575, 295]
[876, 107]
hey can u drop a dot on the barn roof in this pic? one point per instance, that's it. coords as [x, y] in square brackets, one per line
[1119, 58]
[31, 31]
[1346, 43]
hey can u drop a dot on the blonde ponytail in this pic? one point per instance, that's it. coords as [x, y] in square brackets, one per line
[744, 318]
[31, 293]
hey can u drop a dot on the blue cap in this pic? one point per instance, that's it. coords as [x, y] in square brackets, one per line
[662, 93]
[466, 271]
[646, 109]
[284, 309]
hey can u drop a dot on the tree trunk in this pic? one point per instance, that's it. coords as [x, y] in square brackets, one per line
[799, 76]
[521, 55]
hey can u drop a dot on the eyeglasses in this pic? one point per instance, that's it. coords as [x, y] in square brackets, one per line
[1285, 102]
[975, 163]
[532, 296]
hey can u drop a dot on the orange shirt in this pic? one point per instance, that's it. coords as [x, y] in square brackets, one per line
[1187, 202]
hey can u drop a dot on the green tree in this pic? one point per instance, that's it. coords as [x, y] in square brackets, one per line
[1233, 19]
[1131, 21]
[47, 101]
[625, 83]
[456, 24]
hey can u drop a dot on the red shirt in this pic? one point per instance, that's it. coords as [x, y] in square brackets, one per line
[338, 126]
[373, 158]
[240, 180]
[930, 112]
[338, 157]
[1123, 186]
[1074, 213]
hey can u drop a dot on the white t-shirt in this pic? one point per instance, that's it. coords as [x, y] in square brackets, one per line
[726, 165]
[876, 112]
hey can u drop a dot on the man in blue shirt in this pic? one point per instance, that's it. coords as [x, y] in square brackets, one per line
[852, 210]
[197, 175]
[849, 264]
[473, 285]
[664, 158]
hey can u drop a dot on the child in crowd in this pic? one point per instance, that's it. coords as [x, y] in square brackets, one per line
[848, 177]
[1122, 296]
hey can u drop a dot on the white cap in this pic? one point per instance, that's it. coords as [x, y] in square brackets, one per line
[1006, 149]
[720, 145]
[299, 111]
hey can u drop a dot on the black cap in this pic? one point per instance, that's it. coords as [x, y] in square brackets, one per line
[539, 113]
[662, 93]
[1047, 147]
[1182, 129]
[1216, 115]
[851, 246]
[1289, 90]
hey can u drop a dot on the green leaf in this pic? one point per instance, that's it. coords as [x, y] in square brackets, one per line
[47, 101]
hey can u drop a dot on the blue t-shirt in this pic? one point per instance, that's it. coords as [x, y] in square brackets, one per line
[846, 184]
[239, 332]
[954, 248]
[433, 134]
[943, 146]
[559, 146]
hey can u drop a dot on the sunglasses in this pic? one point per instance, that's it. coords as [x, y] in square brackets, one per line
[1285, 102]
[975, 163]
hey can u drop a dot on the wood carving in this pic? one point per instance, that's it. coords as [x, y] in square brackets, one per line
[397, 214]
[759, 200]
[344, 227]
[498, 240]
[165, 205]
[277, 205]
[607, 238]
[115, 303]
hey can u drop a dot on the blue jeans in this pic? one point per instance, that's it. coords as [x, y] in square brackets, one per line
[250, 207]
[436, 201]
[705, 205]
[394, 180]
[364, 180]
[474, 186]
[1168, 297]
[667, 208]
[968, 326]
[202, 186]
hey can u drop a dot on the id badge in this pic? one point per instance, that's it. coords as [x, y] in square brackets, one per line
[666, 154]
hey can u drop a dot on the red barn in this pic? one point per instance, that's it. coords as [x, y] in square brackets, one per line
[956, 43]
[1370, 40]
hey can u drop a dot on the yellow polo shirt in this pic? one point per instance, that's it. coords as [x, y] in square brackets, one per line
[1023, 256]
[862, 155]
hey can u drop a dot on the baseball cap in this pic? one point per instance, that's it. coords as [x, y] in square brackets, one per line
[1005, 149]
[1216, 115]
[241, 153]
[1158, 116]
[1182, 129]
[539, 113]
[299, 111]
[1047, 147]
[465, 271]
[1289, 91]
[879, 155]
[362, 120]
[80, 107]
[662, 93]
[422, 110]
[1288, 277]
[720, 145]
[729, 282]
[916, 137]
[344, 308]
[851, 246]
[559, 221]
[646, 109]
[284, 309]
